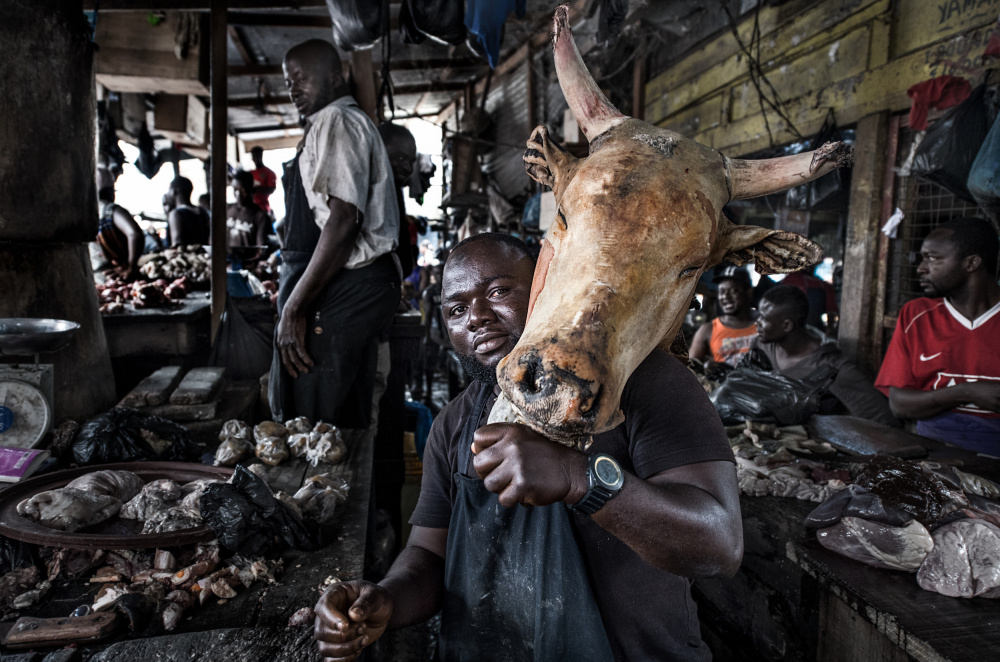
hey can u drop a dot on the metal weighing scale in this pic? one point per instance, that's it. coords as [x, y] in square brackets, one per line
[26, 389]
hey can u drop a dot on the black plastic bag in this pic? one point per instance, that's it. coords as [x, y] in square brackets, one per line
[408, 30]
[441, 20]
[123, 434]
[15, 554]
[855, 501]
[751, 394]
[984, 175]
[248, 519]
[949, 148]
[243, 345]
[357, 24]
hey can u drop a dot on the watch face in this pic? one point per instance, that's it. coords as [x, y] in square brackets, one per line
[608, 472]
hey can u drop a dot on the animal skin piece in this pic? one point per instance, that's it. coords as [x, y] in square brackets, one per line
[69, 509]
[192, 493]
[172, 519]
[122, 485]
[156, 496]
[965, 561]
[879, 545]
[637, 222]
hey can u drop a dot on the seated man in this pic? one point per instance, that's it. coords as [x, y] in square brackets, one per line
[187, 224]
[119, 235]
[796, 352]
[577, 576]
[943, 366]
[728, 337]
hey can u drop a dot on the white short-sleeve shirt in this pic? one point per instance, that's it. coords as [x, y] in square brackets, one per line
[343, 156]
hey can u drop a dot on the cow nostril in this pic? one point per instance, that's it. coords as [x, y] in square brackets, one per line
[591, 403]
[531, 379]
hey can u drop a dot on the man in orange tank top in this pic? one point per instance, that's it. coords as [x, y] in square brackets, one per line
[728, 337]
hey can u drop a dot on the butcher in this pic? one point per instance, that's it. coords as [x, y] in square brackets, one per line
[340, 276]
[536, 550]
[942, 367]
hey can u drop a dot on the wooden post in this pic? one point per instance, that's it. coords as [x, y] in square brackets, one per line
[364, 79]
[639, 76]
[864, 222]
[218, 151]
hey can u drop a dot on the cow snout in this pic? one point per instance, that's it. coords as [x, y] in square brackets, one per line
[563, 394]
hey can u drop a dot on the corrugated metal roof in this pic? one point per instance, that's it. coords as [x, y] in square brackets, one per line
[507, 103]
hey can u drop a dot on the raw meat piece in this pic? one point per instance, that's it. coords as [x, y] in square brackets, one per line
[237, 429]
[172, 519]
[965, 561]
[269, 429]
[156, 496]
[302, 617]
[192, 493]
[855, 501]
[272, 451]
[299, 425]
[69, 509]
[905, 486]
[122, 485]
[329, 448]
[299, 443]
[259, 470]
[783, 481]
[879, 545]
[232, 451]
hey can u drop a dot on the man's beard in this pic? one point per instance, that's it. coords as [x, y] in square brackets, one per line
[477, 371]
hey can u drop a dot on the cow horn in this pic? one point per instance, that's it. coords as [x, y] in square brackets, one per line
[751, 179]
[593, 112]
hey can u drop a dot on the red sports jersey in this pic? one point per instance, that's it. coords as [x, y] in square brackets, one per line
[935, 346]
[263, 176]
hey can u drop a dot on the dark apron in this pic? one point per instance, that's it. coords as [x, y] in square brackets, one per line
[515, 583]
[342, 325]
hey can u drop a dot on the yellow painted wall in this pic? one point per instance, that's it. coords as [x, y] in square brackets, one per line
[855, 56]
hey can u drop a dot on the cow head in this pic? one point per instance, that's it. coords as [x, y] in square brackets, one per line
[637, 222]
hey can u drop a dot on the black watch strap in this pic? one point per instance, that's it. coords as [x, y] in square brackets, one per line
[605, 479]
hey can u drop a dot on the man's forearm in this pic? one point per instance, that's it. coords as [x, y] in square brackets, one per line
[416, 581]
[679, 528]
[911, 403]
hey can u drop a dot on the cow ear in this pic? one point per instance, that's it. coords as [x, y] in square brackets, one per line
[546, 161]
[773, 251]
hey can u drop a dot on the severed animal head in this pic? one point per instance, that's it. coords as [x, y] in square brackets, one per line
[638, 221]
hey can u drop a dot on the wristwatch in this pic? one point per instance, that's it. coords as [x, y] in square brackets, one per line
[605, 479]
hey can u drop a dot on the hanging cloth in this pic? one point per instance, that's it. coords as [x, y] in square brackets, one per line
[485, 19]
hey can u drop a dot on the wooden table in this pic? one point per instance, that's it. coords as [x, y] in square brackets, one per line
[253, 626]
[171, 331]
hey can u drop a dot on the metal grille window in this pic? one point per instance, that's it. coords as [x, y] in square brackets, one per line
[925, 205]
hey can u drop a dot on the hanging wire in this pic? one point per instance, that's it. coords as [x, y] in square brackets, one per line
[757, 75]
[386, 87]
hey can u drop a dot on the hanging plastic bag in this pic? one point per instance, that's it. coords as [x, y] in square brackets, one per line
[248, 519]
[951, 145]
[357, 24]
[441, 20]
[243, 345]
[125, 435]
[984, 177]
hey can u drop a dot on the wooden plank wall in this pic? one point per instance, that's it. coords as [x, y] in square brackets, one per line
[855, 56]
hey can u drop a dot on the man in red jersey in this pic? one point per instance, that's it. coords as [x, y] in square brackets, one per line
[943, 364]
[264, 179]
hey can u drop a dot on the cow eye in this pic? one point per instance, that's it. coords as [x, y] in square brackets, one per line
[689, 272]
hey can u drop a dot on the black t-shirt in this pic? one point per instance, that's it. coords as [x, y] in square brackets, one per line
[648, 613]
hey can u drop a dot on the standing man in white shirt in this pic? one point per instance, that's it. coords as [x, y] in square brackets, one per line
[340, 277]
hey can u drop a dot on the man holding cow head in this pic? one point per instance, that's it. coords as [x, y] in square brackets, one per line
[532, 549]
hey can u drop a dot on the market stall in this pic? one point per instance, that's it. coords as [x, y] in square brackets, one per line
[253, 623]
[794, 599]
